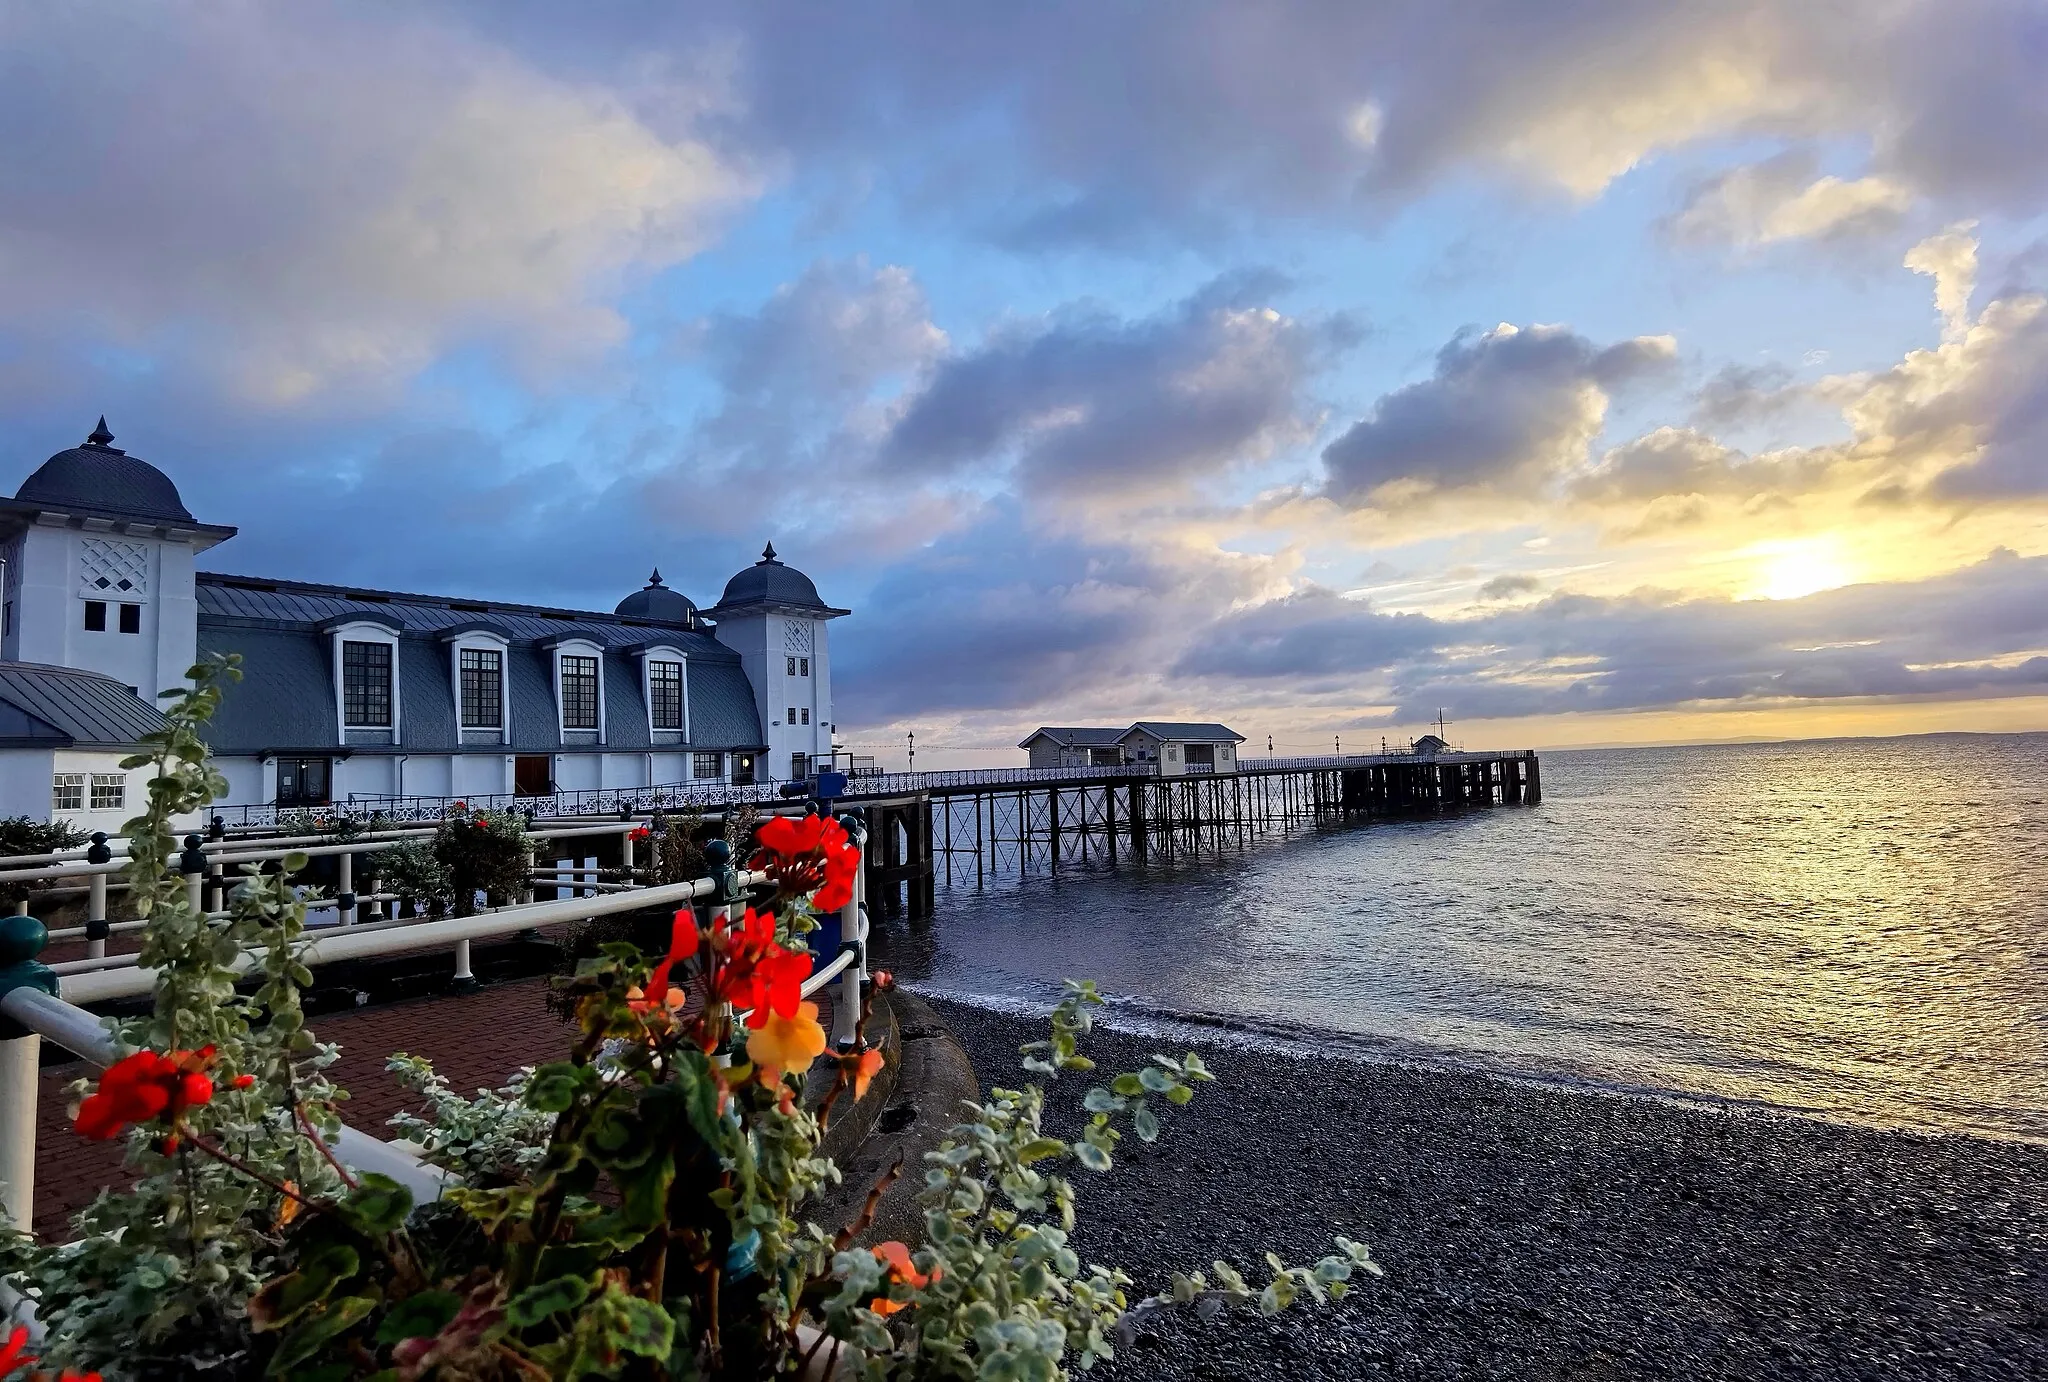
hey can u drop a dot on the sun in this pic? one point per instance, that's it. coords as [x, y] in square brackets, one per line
[1789, 570]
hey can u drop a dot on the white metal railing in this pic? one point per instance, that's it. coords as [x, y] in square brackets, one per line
[39, 1015]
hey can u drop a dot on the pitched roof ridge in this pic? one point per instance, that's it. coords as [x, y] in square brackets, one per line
[287, 585]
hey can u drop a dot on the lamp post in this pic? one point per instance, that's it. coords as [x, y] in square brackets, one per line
[913, 750]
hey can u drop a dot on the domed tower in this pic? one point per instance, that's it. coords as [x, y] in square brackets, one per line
[657, 604]
[770, 614]
[99, 555]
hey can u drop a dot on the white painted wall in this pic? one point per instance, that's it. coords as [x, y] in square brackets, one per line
[578, 772]
[670, 768]
[25, 782]
[428, 775]
[249, 781]
[624, 770]
[368, 774]
[479, 774]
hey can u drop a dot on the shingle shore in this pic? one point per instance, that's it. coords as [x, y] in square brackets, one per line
[1531, 1232]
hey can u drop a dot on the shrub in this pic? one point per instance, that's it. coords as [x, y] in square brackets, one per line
[483, 852]
[27, 835]
[416, 874]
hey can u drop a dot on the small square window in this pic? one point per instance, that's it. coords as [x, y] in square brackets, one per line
[67, 792]
[109, 791]
[131, 619]
[707, 765]
[96, 616]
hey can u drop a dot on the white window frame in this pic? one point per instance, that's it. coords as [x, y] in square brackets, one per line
[663, 652]
[578, 647]
[114, 783]
[365, 632]
[697, 756]
[480, 641]
[62, 783]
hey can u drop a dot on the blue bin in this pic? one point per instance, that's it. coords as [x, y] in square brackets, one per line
[824, 941]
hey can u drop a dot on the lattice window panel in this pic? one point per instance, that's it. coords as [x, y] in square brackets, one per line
[796, 636]
[112, 570]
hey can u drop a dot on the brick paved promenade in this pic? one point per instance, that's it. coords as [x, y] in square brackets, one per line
[475, 1039]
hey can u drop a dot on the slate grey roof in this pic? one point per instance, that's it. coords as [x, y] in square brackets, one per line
[1076, 738]
[100, 479]
[286, 701]
[61, 707]
[768, 584]
[1186, 732]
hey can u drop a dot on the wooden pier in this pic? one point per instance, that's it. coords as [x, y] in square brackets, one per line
[981, 825]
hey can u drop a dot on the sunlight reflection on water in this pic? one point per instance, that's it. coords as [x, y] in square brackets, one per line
[1849, 928]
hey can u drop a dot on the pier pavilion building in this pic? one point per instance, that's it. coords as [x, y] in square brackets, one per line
[1177, 747]
[351, 692]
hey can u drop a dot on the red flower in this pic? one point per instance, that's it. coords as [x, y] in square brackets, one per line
[682, 944]
[14, 1353]
[809, 856]
[145, 1086]
[778, 986]
[242, 1081]
[643, 833]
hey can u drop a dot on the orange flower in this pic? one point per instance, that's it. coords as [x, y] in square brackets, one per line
[865, 1068]
[902, 1271]
[787, 1043]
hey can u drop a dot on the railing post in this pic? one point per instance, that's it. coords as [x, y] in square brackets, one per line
[345, 890]
[464, 979]
[97, 928]
[853, 933]
[192, 863]
[21, 941]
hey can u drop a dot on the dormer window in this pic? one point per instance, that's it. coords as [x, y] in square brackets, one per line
[365, 685]
[579, 691]
[664, 694]
[483, 688]
[366, 692]
[579, 684]
[476, 663]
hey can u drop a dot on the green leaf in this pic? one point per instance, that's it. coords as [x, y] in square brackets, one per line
[1127, 1084]
[286, 1298]
[1146, 1124]
[1091, 1156]
[316, 1333]
[554, 1086]
[419, 1317]
[546, 1298]
[378, 1204]
[1179, 1094]
[1039, 1148]
[1100, 1100]
[1156, 1080]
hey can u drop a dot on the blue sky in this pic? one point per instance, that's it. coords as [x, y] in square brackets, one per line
[1598, 371]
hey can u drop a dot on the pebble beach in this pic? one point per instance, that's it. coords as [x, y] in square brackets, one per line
[1540, 1232]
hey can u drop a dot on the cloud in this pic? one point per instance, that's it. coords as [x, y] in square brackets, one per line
[1510, 408]
[1107, 120]
[1974, 632]
[1007, 616]
[318, 198]
[1781, 199]
[1508, 586]
[1950, 259]
[1084, 401]
[1741, 394]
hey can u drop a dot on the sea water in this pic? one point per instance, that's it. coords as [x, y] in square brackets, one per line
[1856, 929]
